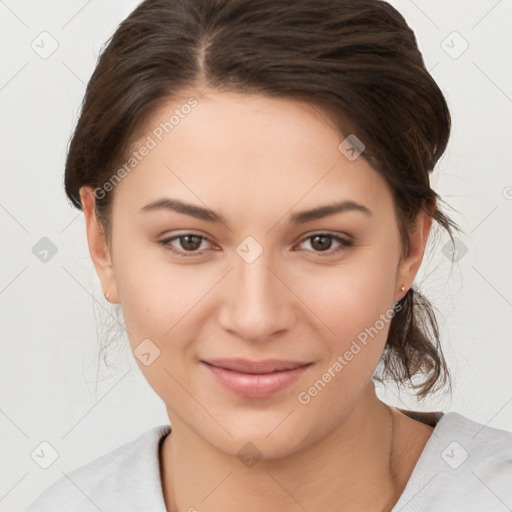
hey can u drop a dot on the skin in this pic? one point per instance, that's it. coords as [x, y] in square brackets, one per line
[256, 161]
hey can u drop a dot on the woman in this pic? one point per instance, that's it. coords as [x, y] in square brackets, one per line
[255, 183]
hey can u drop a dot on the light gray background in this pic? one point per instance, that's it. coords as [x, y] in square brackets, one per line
[53, 388]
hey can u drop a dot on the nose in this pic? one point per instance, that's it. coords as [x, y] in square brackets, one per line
[257, 305]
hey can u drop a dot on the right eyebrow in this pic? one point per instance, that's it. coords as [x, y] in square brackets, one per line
[181, 207]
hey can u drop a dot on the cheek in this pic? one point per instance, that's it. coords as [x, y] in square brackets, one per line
[162, 303]
[156, 296]
[354, 307]
[351, 296]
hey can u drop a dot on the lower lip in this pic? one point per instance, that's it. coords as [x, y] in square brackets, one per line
[251, 385]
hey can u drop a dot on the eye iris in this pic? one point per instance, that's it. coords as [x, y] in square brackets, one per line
[190, 242]
[321, 242]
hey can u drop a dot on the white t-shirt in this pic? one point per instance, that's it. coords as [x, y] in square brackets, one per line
[465, 466]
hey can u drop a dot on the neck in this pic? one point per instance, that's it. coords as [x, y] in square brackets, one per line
[352, 468]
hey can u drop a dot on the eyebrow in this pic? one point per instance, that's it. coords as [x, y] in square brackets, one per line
[330, 209]
[182, 207]
[297, 218]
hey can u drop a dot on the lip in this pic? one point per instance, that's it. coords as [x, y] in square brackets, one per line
[255, 379]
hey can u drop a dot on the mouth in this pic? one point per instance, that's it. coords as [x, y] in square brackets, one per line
[255, 379]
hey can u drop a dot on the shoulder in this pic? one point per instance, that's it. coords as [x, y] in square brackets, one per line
[480, 449]
[465, 465]
[128, 478]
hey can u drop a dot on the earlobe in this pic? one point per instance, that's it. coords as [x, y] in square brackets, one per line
[418, 238]
[98, 247]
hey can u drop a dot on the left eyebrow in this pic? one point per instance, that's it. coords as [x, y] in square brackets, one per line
[325, 211]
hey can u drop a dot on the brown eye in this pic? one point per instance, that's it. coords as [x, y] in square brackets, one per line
[324, 243]
[190, 242]
[321, 242]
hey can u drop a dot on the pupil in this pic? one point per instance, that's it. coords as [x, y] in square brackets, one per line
[322, 242]
[190, 242]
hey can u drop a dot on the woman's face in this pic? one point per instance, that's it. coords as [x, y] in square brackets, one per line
[263, 323]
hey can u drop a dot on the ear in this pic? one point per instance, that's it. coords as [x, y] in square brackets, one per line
[418, 237]
[98, 247]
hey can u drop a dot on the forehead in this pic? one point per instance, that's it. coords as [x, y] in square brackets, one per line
[234, 150]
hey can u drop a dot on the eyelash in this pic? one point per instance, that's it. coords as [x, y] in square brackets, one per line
[344, 243]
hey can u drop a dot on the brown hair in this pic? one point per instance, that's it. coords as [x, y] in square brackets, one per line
[355, 59]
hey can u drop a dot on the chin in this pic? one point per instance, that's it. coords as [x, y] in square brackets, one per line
[262, 448]
[269, 435]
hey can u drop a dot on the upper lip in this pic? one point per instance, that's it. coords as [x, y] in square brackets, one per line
[256, 367]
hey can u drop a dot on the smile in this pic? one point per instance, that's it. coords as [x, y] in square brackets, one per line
[255, 379]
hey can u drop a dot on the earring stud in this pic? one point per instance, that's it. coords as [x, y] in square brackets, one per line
[403, 288]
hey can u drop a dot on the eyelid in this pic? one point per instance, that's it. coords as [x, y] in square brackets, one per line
[335, 234]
